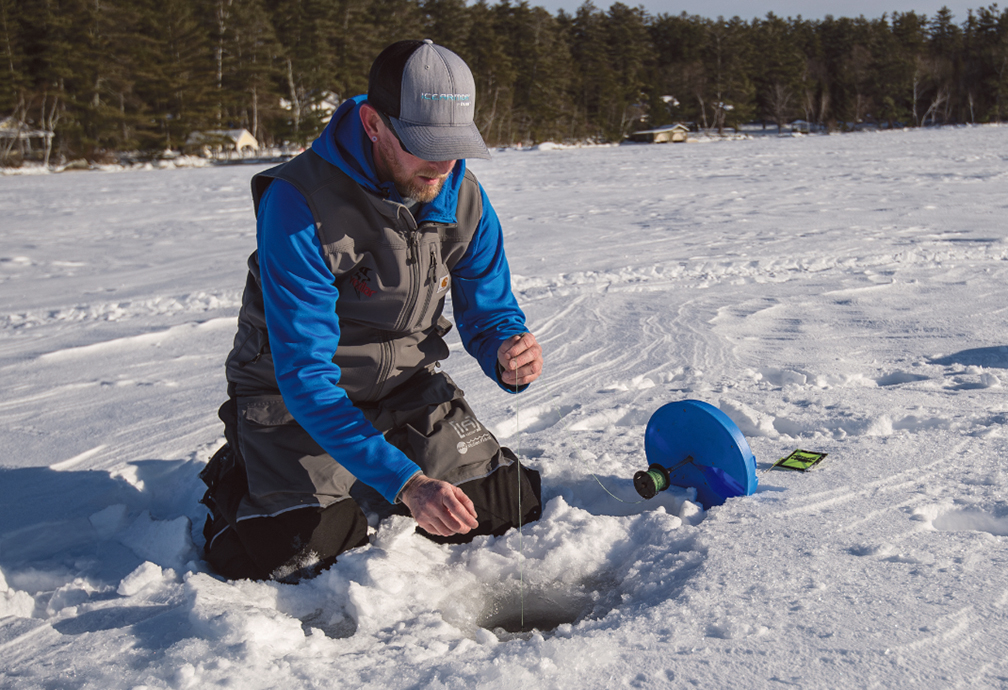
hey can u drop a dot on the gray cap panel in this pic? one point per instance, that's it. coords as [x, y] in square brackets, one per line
[437, 88]
[437, 104]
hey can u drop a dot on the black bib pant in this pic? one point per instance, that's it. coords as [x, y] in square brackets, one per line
[427, 418]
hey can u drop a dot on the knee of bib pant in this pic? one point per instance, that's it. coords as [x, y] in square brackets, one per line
[301, 543]
[289, 547]
[225, 552]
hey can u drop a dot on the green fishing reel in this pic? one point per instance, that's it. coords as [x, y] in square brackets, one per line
[651, 482]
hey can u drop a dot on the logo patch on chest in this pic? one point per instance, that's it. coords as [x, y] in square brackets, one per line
[443, 284]
[361, 282]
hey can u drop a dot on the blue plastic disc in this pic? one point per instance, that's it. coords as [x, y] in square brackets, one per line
[722, 466]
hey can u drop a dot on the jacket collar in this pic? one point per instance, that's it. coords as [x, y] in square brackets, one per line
[345, 144]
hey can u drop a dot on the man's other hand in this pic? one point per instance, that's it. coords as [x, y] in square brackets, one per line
[438, 507]
[521, 359]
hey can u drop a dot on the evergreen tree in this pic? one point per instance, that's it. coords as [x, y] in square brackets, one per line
[179, 75]
[594, 75]
[539, 106]
[355, 45]
[945, 48]
[729, 97]
[679, 78]
[14, 84]
[247, 68]
[393, 20]
[778, 80]
[114, 113]
[51, 40]
[985, 54]
[548, 96]
[484, 52]
[629, 53]
[903, 81]
[114, 75]
[304, 28]
[446, 22]
[814, 82]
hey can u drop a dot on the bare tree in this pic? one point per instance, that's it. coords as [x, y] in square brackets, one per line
[780, 104]
[52, 109]
[860, 65]
[295, 100]
[941, 96]
[917, 79]
[936, 73]
[19, 116]
[810, 81]
[222, 15]
[1002, 70]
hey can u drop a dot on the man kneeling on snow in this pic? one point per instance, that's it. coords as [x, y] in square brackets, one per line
[335, 373]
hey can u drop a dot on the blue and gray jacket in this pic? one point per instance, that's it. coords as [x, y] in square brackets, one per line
[346, 291]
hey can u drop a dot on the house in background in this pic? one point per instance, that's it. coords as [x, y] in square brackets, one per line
[805, 127]
[18, 136]
[676, 133]
[214, 142]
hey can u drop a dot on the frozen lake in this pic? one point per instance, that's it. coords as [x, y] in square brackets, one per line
[845, 294]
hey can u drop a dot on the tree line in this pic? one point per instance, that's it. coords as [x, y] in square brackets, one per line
[99, 77]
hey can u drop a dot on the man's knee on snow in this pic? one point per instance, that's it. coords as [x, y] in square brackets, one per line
[291, 546]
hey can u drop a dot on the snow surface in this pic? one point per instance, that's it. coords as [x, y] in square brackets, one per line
[844, 294]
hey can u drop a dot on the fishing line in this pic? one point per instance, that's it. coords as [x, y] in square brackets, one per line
[610, 492]
[521, 551]
[577, 449]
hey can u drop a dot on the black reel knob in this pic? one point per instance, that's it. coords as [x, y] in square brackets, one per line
[649, 483]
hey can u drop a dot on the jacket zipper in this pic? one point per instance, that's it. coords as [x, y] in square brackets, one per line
[413, 260]
[388, 351]
[431, 283]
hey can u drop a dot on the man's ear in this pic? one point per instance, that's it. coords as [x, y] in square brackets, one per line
[371, 120]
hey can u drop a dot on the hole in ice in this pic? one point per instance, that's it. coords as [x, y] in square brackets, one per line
[336, 625]
[510, 614]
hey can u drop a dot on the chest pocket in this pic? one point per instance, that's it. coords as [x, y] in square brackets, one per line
[434, 280]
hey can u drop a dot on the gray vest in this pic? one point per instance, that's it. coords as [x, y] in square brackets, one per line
[392, 276]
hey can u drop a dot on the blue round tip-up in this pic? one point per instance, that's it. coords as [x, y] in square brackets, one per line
[702, 448]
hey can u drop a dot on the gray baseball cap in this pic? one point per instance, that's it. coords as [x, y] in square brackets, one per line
[428, 94]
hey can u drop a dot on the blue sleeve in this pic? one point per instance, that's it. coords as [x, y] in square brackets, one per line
[300, 297]
[486, 311]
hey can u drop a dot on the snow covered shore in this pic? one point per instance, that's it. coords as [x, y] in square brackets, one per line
[841, 294]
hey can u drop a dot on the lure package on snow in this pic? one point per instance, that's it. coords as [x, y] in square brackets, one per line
[800, 460]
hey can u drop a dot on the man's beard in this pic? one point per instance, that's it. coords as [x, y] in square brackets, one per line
[408, 186]
[424, 193]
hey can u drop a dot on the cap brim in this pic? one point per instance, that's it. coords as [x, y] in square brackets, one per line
[441, 142]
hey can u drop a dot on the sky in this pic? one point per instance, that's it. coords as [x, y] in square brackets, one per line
[747, 9]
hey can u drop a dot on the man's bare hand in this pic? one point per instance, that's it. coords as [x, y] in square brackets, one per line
[438, 507]
[521, 358]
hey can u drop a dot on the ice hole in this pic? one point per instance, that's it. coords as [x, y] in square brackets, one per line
[516, 613]
[337, 625]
